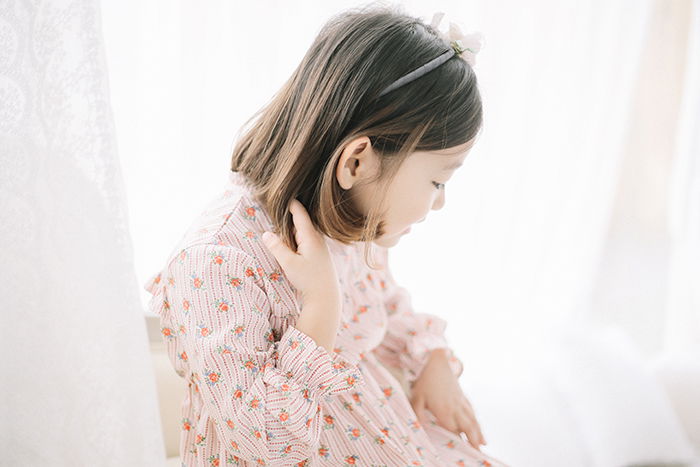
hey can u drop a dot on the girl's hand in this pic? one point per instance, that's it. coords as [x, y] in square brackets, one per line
[310, 269]
[438, 390]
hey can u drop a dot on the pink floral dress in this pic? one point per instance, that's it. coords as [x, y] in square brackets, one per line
[263, 393]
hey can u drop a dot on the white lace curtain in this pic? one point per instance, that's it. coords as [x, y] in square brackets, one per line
[77, 385]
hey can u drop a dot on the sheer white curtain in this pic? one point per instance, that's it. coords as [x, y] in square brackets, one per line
[678, 365]
[77, 384]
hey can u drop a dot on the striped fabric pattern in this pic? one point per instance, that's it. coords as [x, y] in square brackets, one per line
[262, 392]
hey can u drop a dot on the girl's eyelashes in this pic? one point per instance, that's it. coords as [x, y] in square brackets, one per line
[439, 185]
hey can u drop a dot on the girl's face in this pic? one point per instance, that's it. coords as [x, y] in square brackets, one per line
[417, 188]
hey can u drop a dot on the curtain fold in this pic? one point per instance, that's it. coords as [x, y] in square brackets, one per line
[682, 333]
[77, 384]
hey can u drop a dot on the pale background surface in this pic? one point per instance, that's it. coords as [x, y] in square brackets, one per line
[574, 226]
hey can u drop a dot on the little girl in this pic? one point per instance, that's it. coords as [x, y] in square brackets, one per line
[278, 306]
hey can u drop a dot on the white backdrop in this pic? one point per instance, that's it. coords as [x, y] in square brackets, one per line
[557, 371]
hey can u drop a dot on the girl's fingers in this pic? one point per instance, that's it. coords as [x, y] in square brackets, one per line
[470, 413]
[301, 219]
[467, 426]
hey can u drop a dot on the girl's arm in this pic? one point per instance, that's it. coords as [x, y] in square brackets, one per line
[263, 394]
[410, 336]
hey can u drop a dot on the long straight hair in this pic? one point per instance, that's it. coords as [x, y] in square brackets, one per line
[290, 148]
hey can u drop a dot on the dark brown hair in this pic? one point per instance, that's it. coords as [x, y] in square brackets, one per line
[290, 148]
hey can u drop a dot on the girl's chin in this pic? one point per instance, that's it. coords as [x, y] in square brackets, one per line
[391, 240]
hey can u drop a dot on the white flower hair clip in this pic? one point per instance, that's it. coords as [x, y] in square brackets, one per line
[465, 45]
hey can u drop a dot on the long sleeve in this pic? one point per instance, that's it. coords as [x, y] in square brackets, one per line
[410, 336]
[263, 394]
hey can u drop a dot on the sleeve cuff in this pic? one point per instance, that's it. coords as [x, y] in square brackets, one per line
[312, 367]
[429, 336]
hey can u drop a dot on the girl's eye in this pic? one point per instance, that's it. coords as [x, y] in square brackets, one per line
[439, 185]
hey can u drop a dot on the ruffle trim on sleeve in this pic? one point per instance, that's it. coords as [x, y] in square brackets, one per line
[429, 335]
[312, 367]
[156, 286]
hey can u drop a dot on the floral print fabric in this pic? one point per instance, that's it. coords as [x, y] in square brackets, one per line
[262, 392]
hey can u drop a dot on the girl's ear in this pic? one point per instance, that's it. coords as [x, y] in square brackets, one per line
[357, 162]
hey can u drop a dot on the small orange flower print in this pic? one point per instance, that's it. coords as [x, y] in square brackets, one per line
[294, 343]
[230, 423]
[414, 425]
[237, 393]
[234, 446]
[485, 463]
[354, 433]
[287, 449]
[356, 397]
[186, 424]
[214, 460]
[183, 255]
[166, 304]
[167, 332]
[275, 276]
[382, 284]
[254, 403]
[235, 282]
[204, 331]
[251, 366]
[283, 416]
[249, 213]
[328, 419]
[351, 459]
[385, 430]
[284, 387]
[224, 350]
[339, 364]
[450, 444]
[460, 463]
[197, 282]
[260, 461]
[257, 434]
[388, 391]
[323, 451]
[379, 440]
[305, 394]
[350, 380]
[171, 281]
[249, 272]
[199, 440]
[186, 305]
[212, 377]
[238, 330]
[222, 305]
[249, 234]
[260, 271]
[183, 356]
